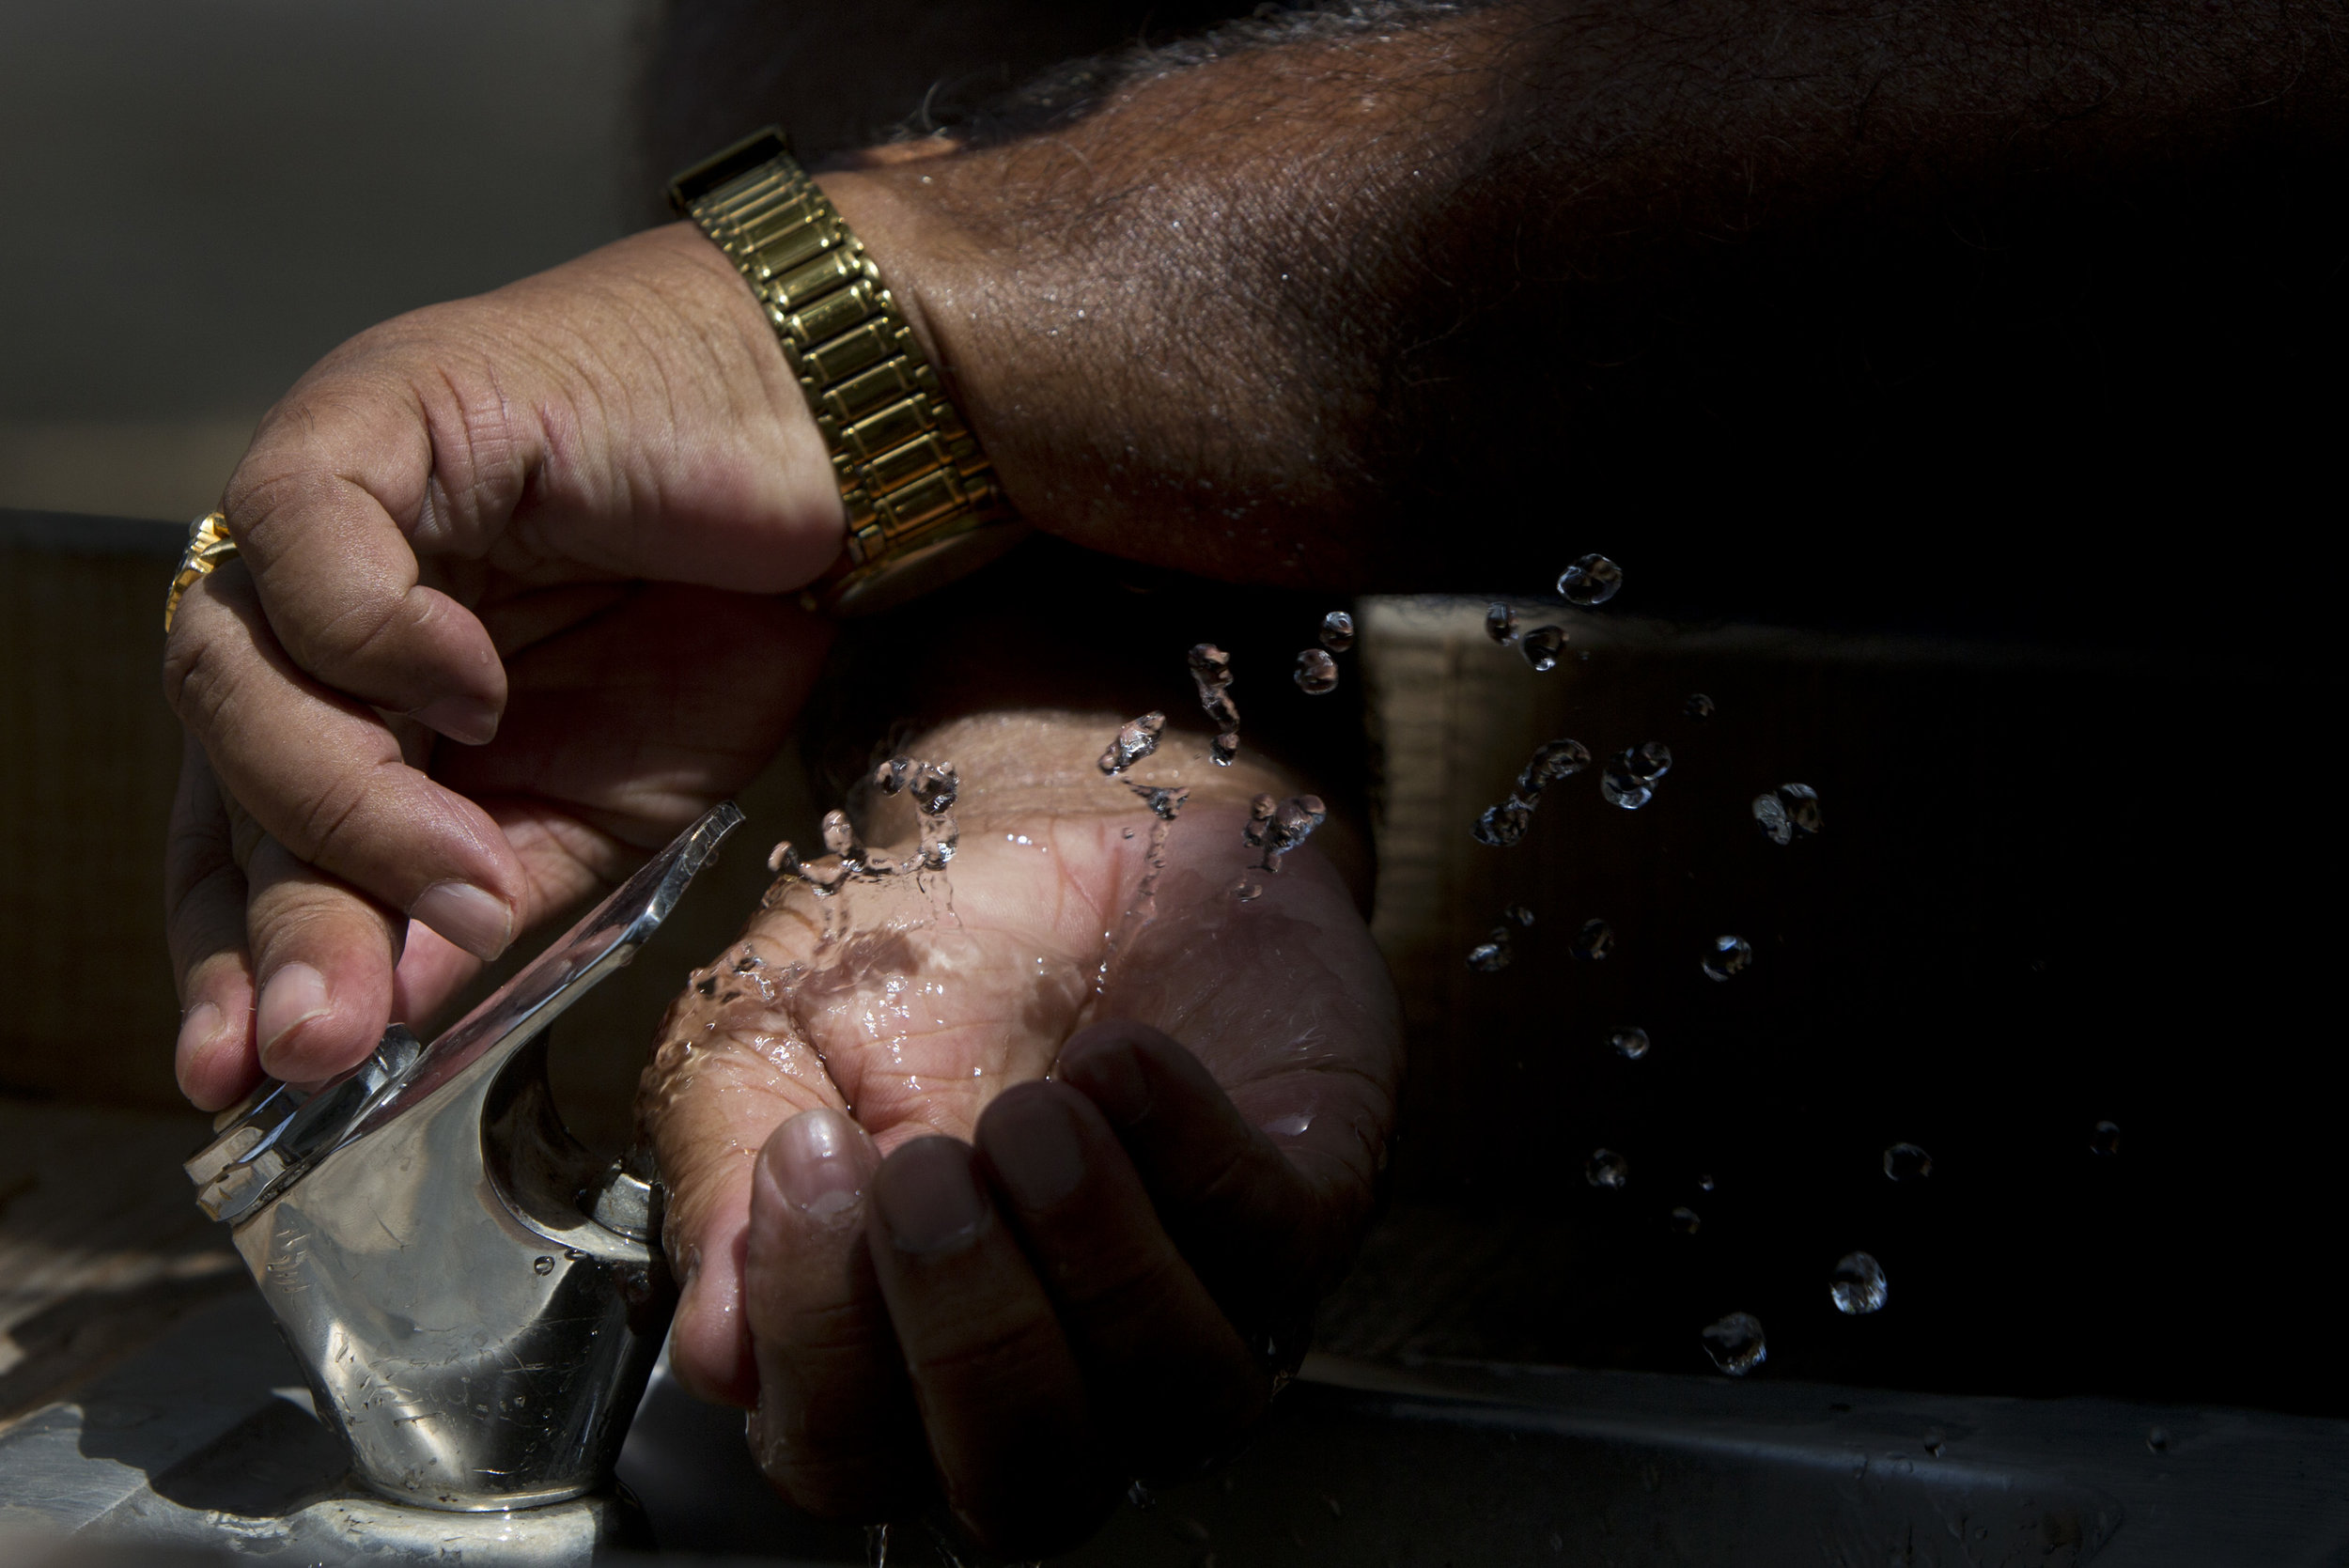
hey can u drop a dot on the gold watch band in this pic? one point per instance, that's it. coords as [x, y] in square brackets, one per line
[924, 504]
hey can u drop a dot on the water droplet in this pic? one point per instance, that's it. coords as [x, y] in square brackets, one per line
[1500, 623]
[1592, 580]
[935, 788]
[2105, 1139]
[1542, 645]
[1729, 956]
[1857, 1287]
[1223, 748]
[1787, 813]
[1553, 762]
[1504, 825]
[2157, 1439]
[1705, 1183]
[1337, 632]
[1936, 1440]
[1907, 1162]
[1292, 824]
[1492, 954]
[1520, 914]
[1630, 1042]
[1136, 740]
[1129, 832]
[1164, 803]
[891, 775]
[1316, 673]
[542, 1265]
[1140, 1496]
[783, 860]
[840, 837]
[1606, 1169]
[1594, 941]
[1736, 1343]
[1260, 812]
[1211, 674]
[1699, 706]
[1629, 780]
[1685, 1220]
[1248, 889]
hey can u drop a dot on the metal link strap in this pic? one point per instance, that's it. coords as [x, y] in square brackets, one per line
[909, 469]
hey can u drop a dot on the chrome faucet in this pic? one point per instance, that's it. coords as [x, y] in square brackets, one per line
[476, 1300]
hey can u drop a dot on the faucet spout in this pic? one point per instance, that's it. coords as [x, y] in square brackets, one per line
[476, 1300]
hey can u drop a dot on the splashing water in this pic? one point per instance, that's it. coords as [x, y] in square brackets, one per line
[1135, 739]
[1518, 914]
[1685, 1220]
[1592, 581]
[1728, 956]
[1316, 673]
[1630, 1044]
[1277, 828]
[1736, 1343]
[1292, 824]
[1594, 941]
[1542, 645]
[1492, 954]
[1787, 813]
[1501, 624]
[1857, 1286]
[891, 776]
[935, 786]
[2105, 1138]
[1554, 761]
[840, 839]
[1699, 706]
[1504, 825]
[1606, 1169]
[1629, 780]
[1337, 632]
[1907, 1162]
[1166, 805]
[1211, 672]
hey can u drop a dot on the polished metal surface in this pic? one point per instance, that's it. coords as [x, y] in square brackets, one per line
[474, 1301]
[204, 1447]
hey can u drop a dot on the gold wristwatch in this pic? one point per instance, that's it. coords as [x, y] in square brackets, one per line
[924, 503]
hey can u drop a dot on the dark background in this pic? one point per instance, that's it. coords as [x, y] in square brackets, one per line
[2015, 543]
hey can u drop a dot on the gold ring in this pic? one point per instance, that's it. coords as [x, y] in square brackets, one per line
[209, 545]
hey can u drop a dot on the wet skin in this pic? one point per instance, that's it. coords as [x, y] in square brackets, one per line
[923, 1267]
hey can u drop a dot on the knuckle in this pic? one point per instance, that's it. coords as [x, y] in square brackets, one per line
[323, 824]
[197, 681]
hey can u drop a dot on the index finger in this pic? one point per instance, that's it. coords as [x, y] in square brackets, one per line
[316, 507]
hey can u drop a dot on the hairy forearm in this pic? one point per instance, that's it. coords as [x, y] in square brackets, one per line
[1272, 315]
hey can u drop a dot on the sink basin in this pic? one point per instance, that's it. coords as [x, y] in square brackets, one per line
[205, 1441]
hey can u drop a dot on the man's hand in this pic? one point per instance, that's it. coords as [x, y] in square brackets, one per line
[891, 1235]
[503, 522]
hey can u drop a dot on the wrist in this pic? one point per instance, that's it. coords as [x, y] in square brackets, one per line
[781, 469]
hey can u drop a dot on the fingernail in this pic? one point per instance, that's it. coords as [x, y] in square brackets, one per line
[466, 720]
[476, 920]
[1036, 1148]
[196, 1030]
[290, 997]
[819, 1161]
[929, 1197]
